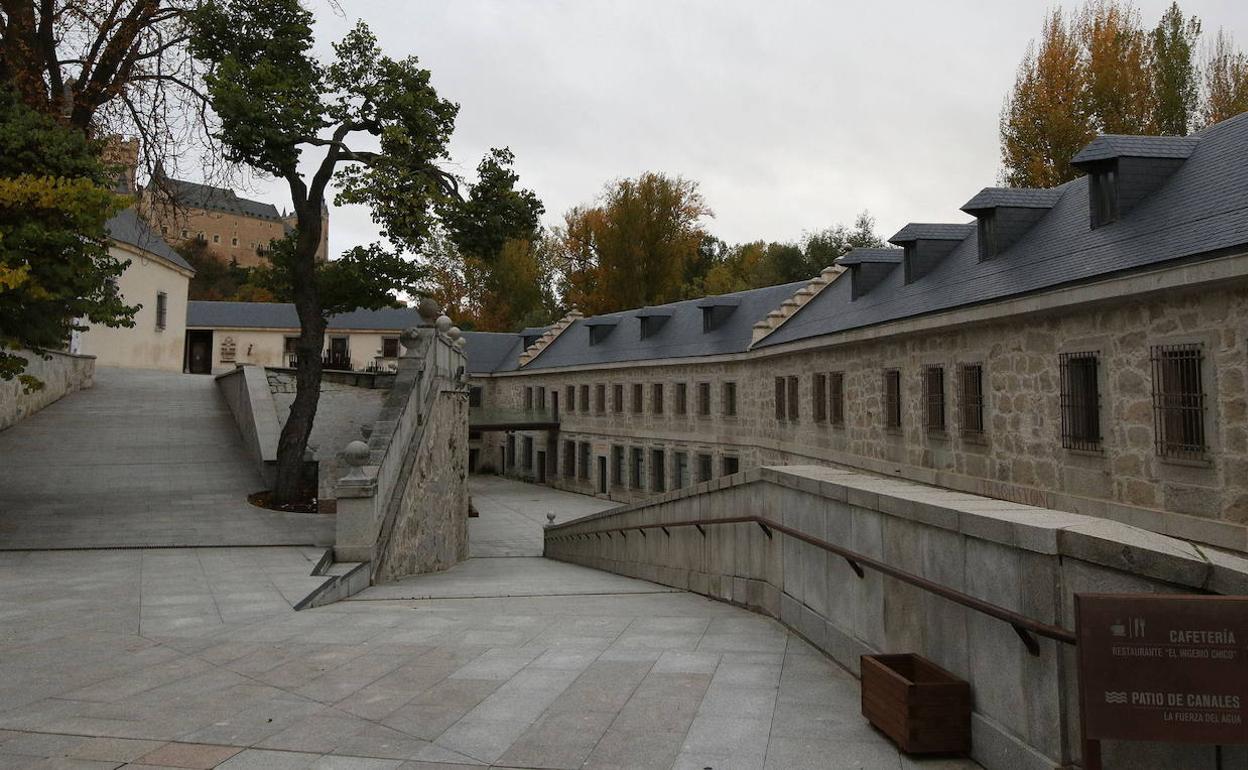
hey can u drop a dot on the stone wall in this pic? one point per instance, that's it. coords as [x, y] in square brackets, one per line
[1020, 455]
[1024, 559]
[60, 373]
[247, 393]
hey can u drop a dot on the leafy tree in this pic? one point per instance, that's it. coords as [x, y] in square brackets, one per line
[823, 247]
[1118, 91]
[277, 103]
[494, 211]
[576, 256]
[1045, 120]
[218, 279]
[1175, 78]
[55, 267]
[1226, 80]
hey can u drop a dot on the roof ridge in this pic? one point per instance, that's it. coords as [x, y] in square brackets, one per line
[776, 318]
[534, 350]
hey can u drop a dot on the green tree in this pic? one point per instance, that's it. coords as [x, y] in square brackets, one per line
[55, 266]
[277, 103]
[1175, 77]
[1226, 80]
[822, 247]
[1116, 54]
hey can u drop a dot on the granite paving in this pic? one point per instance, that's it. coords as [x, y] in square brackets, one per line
[143, 458]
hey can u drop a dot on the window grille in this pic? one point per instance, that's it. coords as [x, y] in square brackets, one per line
[656, 398]
[728, 397]
[704, 399]
[682, 398]
[617, 466]
[819, 396]
[528, 398]
[585, 398]
[569, 459]
[569, 396]
[934, 394]
[162, 309]
[658, 467]
[892, 398]
[705, 466]
[584, 461]
[600, 398]
[731, 465]
[634, 480]
[782, 412]
[792, 398]
[638, 398]
[1080, 400]
[836, 398]
[972, 399]
[1179, 401]
[617, 396]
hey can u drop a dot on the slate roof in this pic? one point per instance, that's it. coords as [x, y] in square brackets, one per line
[935, 232]
[128, 227]
[1201, 208]
[202, 196]
[490, 352]
[282, 315]
[681, 336]
[1108, 146]
[862, 256]
[1013, 197]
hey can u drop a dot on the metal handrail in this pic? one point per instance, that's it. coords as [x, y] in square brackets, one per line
[1023, 625]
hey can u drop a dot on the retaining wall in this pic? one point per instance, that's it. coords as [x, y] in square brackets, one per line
[61, 374]
[1025, 559]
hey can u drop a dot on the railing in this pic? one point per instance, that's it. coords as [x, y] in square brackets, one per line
[1023, 625]
[330, 359]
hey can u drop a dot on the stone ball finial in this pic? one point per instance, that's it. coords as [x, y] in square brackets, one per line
[428, 308]
[461, 342]
[443, 323]
[356, 454]
[550, 517]
[454, 332]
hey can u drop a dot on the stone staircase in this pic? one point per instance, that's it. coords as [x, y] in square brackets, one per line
[551, 334]
[777, 317]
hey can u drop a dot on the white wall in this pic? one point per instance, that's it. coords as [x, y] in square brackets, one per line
[264, 347]
[144, 346]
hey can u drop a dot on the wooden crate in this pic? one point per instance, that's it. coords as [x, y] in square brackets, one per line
[921, 706]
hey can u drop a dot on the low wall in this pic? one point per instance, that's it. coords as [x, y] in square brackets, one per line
[246, 391]
[1028, 560]
[406, 509]
[60, 373]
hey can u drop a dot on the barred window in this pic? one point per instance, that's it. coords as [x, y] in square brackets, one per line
[617, 466]
[656, 398]
[617, 397]
[634, 480]
[731, 465]
[638, 398]
[782, 411]
[728, 399]
[528, 397]
[705, 467]
[682, 398]
[600, 398]
[390, 347]
[162, 309]
[541, 397]
[972, 388]
[1179, 401]
[892, 398]
[570, 396]
[569, 459]
[658, 467]
[836, 398]
[585, 398]
[819, 396]
[584, 461]
[704, 399]
[1080, 400]
[474, 395]
[792, 398]
[934, 397]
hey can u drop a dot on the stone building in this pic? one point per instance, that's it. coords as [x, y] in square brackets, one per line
[1082, 348]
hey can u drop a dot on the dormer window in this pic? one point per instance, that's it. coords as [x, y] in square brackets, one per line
[598, 333]
[716, 310]
[1103, 193]
[652, 321]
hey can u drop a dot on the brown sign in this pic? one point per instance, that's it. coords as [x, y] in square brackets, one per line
[1163, 668]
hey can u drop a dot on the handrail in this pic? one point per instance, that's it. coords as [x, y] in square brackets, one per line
[1023, 625]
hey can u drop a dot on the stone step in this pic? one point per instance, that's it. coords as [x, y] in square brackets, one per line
[343, 579]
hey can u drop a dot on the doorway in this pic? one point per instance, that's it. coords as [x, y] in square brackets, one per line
[541, 467]
[199, 351]
[602, 474]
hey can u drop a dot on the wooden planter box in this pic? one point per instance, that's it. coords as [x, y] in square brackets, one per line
[921, 706]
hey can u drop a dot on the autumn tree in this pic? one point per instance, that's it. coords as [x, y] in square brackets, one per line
[1045, 120]
[55, 267]
[1175, 77]
[278, 105]
[1225, 80]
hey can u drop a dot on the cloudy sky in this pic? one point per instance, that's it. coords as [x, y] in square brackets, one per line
[792, 115]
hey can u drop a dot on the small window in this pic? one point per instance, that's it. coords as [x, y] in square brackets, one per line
[600, 398]
[656, 398]
[730, 465]
[585, 398]
[164, 229]
[706, 465]
[617, 466]
[658, 464]
[569, 395]
[728, 396]
[162, 310]
[782, 411]
[704, 399]
[389, 347]
[892, 399]
[216, 238]
[233, 241]
[583, 464]
[972, 399]
[1103, 193]
[682, 398]
[528, 398]
[474, 395]
[819, 396]
[934, 398]
[1080, 400]
[1179, 401]
[792, 398]
[634, 470]
[836, 398]
[185, 232]
[639, 392]
[617, 398]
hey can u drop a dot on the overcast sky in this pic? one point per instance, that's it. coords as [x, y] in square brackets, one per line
[791, 115]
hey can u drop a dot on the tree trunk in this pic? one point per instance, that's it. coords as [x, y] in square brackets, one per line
[294, 439]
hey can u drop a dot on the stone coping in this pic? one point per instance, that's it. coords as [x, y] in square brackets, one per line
[1039, 530]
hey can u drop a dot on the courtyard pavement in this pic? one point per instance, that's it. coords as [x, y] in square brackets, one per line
[143, 458]
[192, 658]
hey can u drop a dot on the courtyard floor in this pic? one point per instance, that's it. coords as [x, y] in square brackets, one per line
[192, 658]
